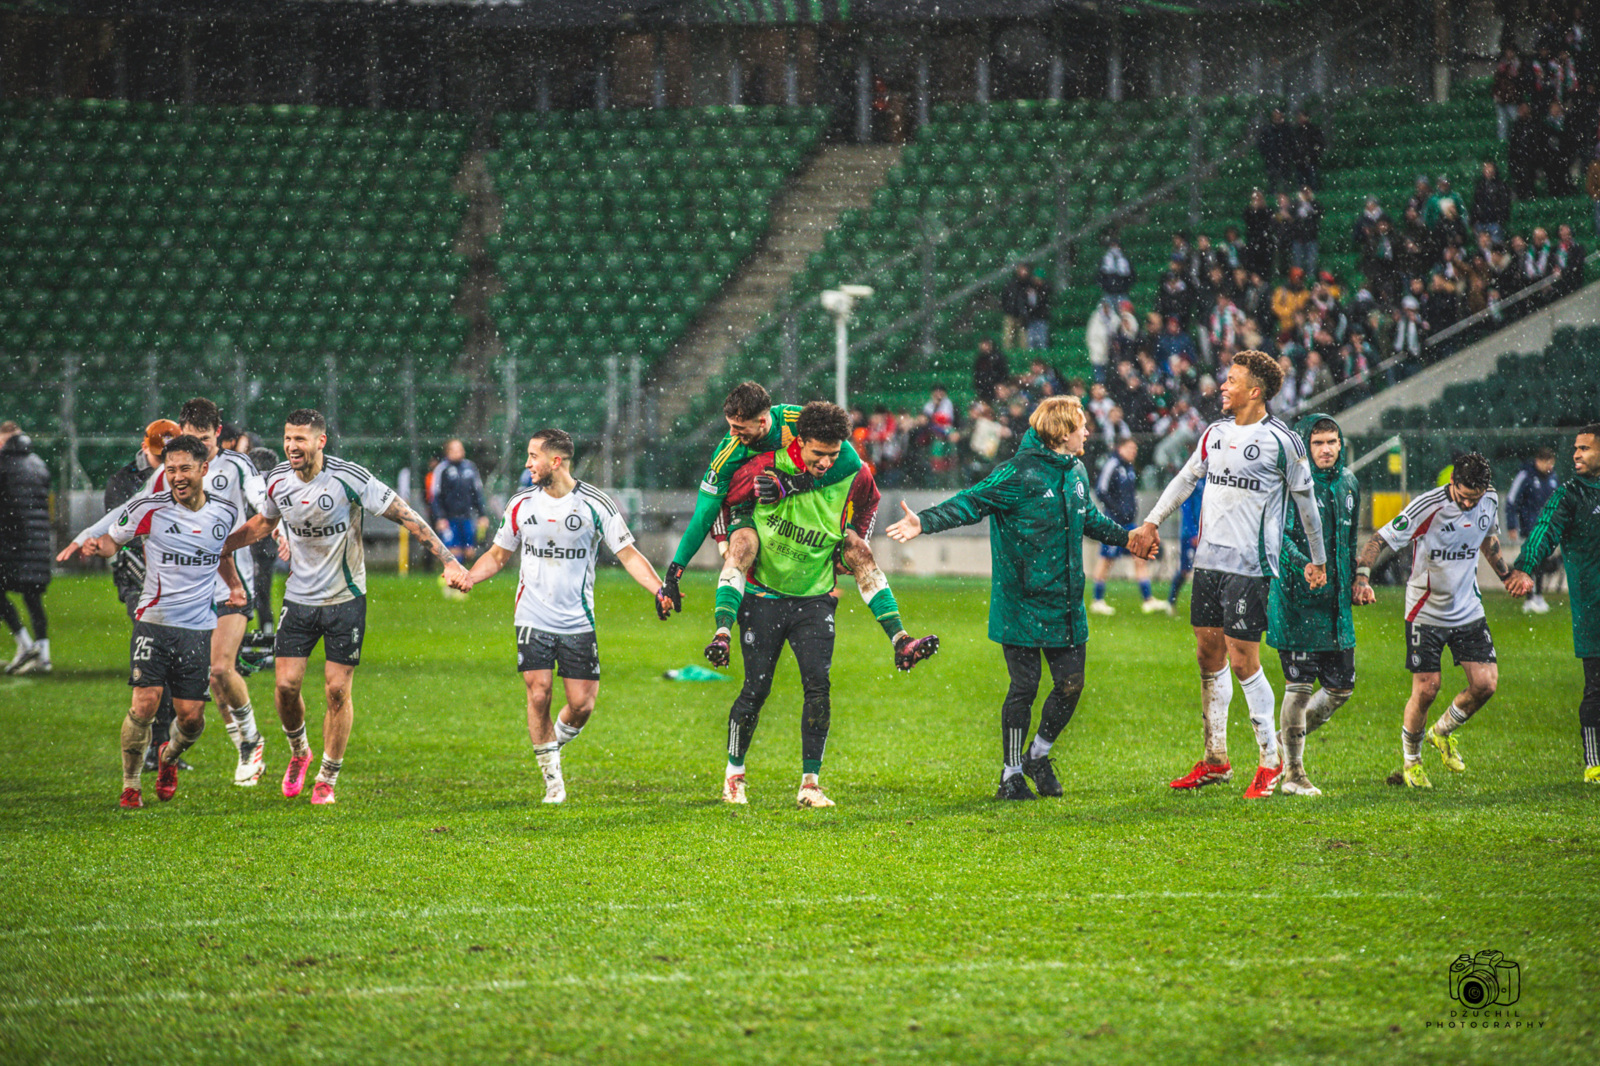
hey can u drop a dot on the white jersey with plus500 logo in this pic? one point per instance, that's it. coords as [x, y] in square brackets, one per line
[229, 476]
[1443, 587]
[1250, 473]
[327, 563]
[182, 551]
[559, 539]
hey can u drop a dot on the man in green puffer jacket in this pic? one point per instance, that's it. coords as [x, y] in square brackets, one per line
[1039, 509]
[1312, 628]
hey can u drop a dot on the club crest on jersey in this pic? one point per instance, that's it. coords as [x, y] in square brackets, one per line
[325, 502]
[220, 532]
[1080, 490]
[1349, 501]
[574, 523]
[1483, 521]
[1252, 451]
[219, 482]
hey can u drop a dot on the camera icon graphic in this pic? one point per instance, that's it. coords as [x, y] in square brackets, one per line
[1487, 979]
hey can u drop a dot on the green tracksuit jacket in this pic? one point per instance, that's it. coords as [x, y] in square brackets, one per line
[1300, 618]
[1571, 520]
[1039, 510]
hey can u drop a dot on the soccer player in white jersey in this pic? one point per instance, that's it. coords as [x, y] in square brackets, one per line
[1446, 529]
[185, 531]
[557, 526]
[232, 477]
[1251, 464]
[321, 500]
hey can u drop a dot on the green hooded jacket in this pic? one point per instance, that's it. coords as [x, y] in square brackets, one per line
[1039, 510]
[1571, 520]
[1300, 618]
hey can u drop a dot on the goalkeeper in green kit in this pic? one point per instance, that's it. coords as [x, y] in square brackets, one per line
[757, 427]
[789, 589]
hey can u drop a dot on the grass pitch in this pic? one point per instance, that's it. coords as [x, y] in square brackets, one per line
[439, 912]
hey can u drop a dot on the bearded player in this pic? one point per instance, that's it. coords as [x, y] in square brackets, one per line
[1446, 530]
[322, 500]
[1252, 464]
[757, 427]
[557, 526]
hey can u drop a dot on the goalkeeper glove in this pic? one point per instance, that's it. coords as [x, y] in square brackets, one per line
[773, 485]
[663, 604]
[669, 589]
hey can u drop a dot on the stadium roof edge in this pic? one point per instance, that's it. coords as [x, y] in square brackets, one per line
[594, 14]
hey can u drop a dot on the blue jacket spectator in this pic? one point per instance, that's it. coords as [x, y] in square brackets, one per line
[1531, 489]
[457, 486]
[1118, 487]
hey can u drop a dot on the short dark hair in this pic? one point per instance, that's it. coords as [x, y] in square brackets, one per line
[1263, 368]
[307, 416]
[188, 443]
[1324, 425]
[200, 413]
[747, 400]
[554, 441]
[1592, 430]
[823, 421]
[1544, 453]
[229, 431]
[1472, 471]
[263, 459]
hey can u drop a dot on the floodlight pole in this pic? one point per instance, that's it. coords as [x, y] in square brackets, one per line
[840, 303]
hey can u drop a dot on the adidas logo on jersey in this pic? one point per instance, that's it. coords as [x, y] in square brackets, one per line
[1049, 494]
[174, 528]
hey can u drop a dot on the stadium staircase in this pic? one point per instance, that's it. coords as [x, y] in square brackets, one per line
[620, 227]
[838, 178]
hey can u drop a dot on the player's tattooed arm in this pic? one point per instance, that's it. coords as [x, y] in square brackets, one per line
[400, 513]
[1491, 552]
[1374, 551]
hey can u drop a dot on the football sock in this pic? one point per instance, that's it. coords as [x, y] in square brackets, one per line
[135, 739]
[1259, 698]
[182, 739]
[809, 777]
[741, 730]
[235, 734]
[1452, 719]
[328, 772]
[1322, 706]
[43, 644]
[875, 593]
[297, 739]
[1591, 746]
[244, 721]
[566, 734]
[548, 756]
[1144, 590]
[734, 769]
[1216, 693]
[1178, 581]
[1040, 747]
[1099, 590]
[24, 638]
[1410, 745]
[1295, 698]
[730, 594]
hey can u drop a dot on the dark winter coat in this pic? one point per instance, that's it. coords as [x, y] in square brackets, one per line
[127, 566]
[1277, 145]
[25, 553]
[1039, 510]
[1530, 491]
[1300, 618]
[1571, 521]
[1491, 202]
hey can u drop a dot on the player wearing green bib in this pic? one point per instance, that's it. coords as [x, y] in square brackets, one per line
[791, 585]
[757, 427]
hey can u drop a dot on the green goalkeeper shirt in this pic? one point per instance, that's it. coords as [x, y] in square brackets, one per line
[731, 454]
